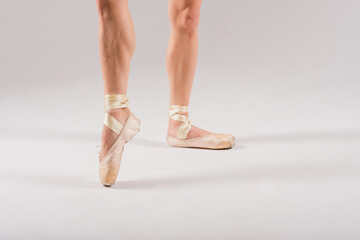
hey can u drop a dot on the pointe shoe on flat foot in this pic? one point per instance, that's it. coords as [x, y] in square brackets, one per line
[211, 141]
[110, 163]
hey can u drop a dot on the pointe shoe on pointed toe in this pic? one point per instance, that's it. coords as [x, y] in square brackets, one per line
[211, 141]
[108, 174]
[110, 163]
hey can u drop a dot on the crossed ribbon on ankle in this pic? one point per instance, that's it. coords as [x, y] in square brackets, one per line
[174, 113]
[114, 101]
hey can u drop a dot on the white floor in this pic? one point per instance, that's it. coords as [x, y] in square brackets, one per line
[293, 174]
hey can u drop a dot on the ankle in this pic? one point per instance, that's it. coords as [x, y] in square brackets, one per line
[173, 126]
[121, 114]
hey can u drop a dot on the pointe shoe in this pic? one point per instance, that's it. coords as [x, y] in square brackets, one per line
[211, 141]
[110, 163]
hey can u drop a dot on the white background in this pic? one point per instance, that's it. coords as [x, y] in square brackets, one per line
[282, 76]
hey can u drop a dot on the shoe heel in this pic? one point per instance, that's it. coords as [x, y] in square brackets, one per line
[175, 142]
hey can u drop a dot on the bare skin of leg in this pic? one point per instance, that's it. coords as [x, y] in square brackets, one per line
[182, 57]
[117, 46]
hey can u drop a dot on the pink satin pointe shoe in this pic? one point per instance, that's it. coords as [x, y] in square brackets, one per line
[110, 163]
[211, 141]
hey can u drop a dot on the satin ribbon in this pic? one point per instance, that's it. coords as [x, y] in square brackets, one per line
[114, 101]
[174, 113]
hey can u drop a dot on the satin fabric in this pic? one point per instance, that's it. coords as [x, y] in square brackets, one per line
[211, 141]
[110, 163]
[175, 113]
[114, 101]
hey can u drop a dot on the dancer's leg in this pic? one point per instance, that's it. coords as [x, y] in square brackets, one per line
[116, 45]
[182, 57]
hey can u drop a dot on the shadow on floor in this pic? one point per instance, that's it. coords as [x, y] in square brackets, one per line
[262, 174]
[229, 175]
[67, 181]
[303, 136]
